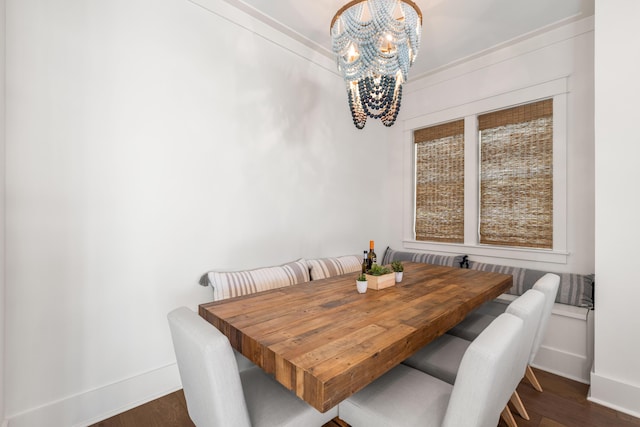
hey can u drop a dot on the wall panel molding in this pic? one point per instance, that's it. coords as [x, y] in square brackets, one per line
[269, 29]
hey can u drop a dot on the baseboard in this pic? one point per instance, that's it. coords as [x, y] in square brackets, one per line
[569, 365]
[615, 394]
[96, 405]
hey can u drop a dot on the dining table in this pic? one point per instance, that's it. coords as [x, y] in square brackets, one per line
[325, 341]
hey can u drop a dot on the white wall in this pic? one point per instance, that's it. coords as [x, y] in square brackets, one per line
[148, 142]
[563, 53]
[141, 151]
[2, 214]
[616, 377]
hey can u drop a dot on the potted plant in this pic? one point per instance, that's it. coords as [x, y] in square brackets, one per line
[398, 268]
[380, 277]
[361, 283]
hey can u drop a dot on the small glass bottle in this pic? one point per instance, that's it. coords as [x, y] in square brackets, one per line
[364, 262]
[371, 256]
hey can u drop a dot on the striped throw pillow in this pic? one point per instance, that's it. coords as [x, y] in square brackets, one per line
[322, 268]
[237, 283]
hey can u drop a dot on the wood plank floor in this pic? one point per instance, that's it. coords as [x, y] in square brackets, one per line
[562, 404]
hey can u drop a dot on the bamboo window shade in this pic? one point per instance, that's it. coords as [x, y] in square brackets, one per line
[516, 176]
[439, 213]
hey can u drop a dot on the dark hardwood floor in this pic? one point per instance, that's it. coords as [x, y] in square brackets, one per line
[562, 404]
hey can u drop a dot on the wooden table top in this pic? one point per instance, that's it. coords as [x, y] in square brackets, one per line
[325, 341]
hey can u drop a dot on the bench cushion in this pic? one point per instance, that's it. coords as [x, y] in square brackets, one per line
[423, 257]
[237, 283]
[575, 289]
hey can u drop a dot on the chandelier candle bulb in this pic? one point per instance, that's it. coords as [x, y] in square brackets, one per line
[375, 42]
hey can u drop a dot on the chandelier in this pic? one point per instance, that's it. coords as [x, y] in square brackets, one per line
[375, 42]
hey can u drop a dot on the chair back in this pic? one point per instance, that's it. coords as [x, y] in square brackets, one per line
[209, 373]
[548, 285]
[483, 385]
[528, 307]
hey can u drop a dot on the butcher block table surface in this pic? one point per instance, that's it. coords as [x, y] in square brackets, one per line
[325, 341]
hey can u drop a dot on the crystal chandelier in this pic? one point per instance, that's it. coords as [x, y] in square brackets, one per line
[375, 42]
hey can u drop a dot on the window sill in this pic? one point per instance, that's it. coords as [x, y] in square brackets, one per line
[539, 255]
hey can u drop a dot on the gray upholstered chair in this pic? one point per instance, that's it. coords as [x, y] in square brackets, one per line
[475, 322]
[407, 397]
[441, 358]
[217, 394]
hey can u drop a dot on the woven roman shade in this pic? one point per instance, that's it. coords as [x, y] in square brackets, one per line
[516, 176]
[440, 183]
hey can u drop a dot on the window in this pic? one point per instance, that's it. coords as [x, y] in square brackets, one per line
[440, 183]
[547, 174]
[516, 176]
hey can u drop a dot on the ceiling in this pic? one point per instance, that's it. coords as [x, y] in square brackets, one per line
[452, 30]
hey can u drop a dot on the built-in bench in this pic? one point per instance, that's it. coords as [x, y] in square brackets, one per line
[230, 284]
[567, 348]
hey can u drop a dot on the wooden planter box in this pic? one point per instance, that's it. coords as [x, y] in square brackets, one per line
[381, 282]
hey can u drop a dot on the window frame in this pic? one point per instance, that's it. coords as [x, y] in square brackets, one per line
[555, 89]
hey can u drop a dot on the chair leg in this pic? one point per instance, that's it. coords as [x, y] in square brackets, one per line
[517, 403]
[507, 416]
[531, 376]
